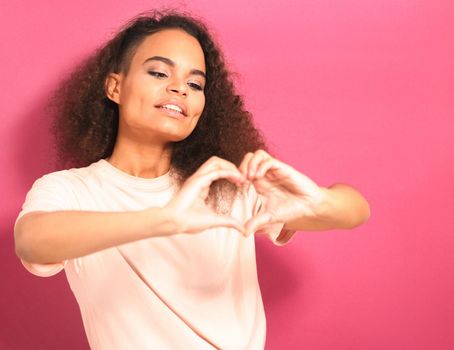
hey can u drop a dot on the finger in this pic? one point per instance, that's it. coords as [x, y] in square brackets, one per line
[258, 157]
[206, 179]
[277, 168]
[245, 163]
[265, 165]
[215, 162]
[225, 221]
[253, 224]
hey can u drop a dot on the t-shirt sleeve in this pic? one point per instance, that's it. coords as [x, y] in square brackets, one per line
[48, 193]
[275, 232]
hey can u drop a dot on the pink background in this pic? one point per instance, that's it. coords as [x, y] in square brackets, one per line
[360, 92]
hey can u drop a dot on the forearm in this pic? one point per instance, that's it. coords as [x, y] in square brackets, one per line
[342, 207]
[48, 237]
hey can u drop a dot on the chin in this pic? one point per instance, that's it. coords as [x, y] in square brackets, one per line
[176, 138]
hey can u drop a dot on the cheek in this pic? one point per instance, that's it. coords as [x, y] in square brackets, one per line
[140, 93]
[201, 104]
[142, 102]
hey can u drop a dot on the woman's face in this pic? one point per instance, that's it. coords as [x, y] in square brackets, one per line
[162, 96]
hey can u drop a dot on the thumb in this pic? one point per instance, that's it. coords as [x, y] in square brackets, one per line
[226, 221]
[254, 223]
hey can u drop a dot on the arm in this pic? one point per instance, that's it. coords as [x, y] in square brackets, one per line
[292, 198]
[47, 237]
[342, 207]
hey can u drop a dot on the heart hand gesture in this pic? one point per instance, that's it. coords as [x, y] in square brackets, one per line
[286, 193]
[188, 207]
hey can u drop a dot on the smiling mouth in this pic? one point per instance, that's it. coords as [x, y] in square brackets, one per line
[174, 107]
[171, 112]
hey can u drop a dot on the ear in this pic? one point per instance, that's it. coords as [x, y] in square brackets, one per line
[112, 87]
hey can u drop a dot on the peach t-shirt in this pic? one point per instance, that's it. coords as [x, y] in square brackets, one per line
[184, 291]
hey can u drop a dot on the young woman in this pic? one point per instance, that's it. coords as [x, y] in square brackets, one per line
[154, 223]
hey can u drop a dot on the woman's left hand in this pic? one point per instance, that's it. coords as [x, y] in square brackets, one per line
[286, 193]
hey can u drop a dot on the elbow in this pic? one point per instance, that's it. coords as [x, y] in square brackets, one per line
[26, 248]
[362, 216]
[20, 244]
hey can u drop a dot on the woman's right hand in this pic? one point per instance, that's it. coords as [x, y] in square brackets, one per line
[188, 208]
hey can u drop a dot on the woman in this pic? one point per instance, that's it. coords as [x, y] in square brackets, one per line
[154, 225]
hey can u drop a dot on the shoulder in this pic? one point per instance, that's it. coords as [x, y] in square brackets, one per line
[59, 189]
[68, 178]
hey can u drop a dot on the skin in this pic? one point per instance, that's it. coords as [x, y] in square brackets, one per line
[287, 195]
[144, 143]
[292, 198]
[143, 148]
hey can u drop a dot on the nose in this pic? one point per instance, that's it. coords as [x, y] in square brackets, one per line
[177, 86]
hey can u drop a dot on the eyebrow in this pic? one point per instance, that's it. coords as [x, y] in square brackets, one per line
[172, 64]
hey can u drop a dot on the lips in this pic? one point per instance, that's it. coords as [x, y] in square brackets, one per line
[173, 103]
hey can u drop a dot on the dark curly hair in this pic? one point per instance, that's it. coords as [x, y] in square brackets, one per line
[85, 121]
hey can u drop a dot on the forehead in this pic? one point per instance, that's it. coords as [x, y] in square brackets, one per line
[175, 44]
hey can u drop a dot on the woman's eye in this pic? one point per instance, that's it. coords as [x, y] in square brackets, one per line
[195, 86]
[158, 74]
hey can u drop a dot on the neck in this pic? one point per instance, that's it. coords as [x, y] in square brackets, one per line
[141, 160]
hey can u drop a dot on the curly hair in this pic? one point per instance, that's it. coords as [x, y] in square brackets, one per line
[85, 121]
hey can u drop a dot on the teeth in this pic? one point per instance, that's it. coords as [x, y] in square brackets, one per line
[172, 107]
